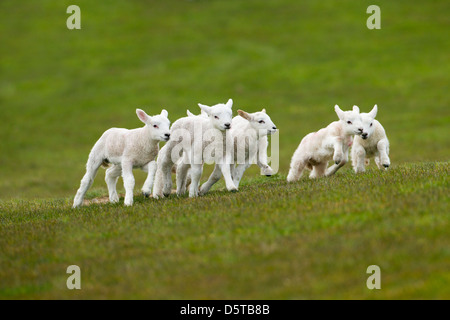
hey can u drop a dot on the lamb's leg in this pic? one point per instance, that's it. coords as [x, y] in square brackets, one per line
[378, 161]
[262, 157]
[296, 169]
[148, 184]
[167, 189]
[213, 178]
[196, 173]
[91, 171]
[340, 157]
[128, 181]
[163, 177]
[335, 167]
[182, 170]
[226, 172]
[359, 158]
[111, 176]
[383, 149]
[318, 170]
[239, 172]
[338, 154]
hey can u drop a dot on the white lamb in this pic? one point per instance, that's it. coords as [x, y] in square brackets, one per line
[372, 143]
[249, 135]
[199, 139]
[330, 143]
[126, 149]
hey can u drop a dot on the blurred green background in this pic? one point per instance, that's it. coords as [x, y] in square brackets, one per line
[61, 89]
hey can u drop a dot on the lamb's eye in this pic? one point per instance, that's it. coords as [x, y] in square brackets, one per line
[261, 121]
[216, 117]
[349, 122]
[155, 126]
[371, 124]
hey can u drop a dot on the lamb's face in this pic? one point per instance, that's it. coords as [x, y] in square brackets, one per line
[160, 126]
[368, 122]
[260, 121]
[351, 121]
[220, 115]
[367, 125]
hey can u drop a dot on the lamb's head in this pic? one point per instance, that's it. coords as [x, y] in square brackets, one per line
[351, 120]
[260, 121]
[159, 125]
[220, 114]
[367, 121]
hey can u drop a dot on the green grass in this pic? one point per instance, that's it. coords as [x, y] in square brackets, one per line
[60, 90]
[272, 240]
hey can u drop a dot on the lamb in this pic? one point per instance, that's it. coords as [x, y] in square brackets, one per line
[199, 139]
[330, 143]
[249, 135]
[372, 143]
[126, 149]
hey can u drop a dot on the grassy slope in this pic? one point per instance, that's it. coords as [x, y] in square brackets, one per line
[274, 240]
[60, 89]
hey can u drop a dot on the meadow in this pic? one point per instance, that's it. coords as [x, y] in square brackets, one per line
[61, 89]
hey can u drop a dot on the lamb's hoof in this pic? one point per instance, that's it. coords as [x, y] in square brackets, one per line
[267, 171]
[166, 194]
[337, 162]
[146, 194]
[386, 166]
[234, 190]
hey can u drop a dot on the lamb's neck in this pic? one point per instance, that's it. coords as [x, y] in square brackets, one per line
[146, 133]
[252, 131]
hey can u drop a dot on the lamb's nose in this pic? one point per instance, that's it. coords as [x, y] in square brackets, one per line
[360, 130]
[274, 128]
[227, 125]
[167, 135]
[364, 135]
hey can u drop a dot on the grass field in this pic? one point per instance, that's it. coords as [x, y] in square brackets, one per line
[60, 89]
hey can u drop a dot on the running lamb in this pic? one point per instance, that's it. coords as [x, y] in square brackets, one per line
[330, 143]
[372, 143]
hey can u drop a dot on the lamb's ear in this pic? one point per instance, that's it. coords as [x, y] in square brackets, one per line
[164, 113]
[142, 116]
[263, 111]
[339, 112]
[244, 115]
[373, 112]
[229, 103]
[189, 114]
[355, 109]
[205, 108]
